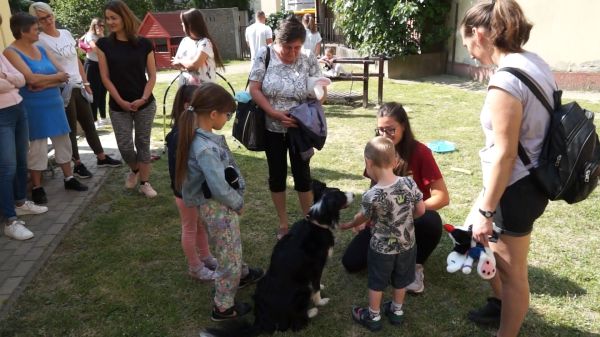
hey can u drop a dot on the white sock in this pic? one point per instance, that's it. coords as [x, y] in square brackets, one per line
[68, 178]
[396, 306]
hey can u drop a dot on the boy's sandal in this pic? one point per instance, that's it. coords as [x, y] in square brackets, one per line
[281, 232]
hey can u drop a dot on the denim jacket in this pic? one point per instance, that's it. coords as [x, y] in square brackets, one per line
[209, 156]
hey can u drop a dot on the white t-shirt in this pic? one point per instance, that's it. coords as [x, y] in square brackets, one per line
[91, 37]
[536, 118]
[189, 49]
[64, 49]
[256, 36]
[310, 43]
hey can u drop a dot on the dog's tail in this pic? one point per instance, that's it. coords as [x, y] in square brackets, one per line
[235, 328]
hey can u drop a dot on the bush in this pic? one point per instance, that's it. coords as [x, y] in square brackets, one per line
[393, 27]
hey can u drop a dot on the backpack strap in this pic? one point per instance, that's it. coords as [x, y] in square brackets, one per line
[535, 89]
[267, 60]
[531, 84]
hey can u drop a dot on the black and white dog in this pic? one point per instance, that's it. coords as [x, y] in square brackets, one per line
[282, 300]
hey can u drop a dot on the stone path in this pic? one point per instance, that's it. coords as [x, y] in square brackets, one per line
[21, 260]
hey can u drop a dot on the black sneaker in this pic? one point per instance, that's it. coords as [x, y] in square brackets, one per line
[108, 162]
[81, 171]
[238, 310]
[75, 185]
[363, 317]
[38, 196]
[254, 275]
[489, 314]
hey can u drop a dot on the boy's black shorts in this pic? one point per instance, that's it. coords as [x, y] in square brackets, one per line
[397, 269]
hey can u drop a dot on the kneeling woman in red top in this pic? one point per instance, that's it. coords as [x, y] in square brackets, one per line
[392, 122]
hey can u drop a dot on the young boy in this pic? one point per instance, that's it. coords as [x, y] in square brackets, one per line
[391, 205]
[331, 69]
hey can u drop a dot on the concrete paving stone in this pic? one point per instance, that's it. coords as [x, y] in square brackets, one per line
[45, 240]
[24, 248]
[71, 209]
[23, 268]
[55, 228]
[9, 285]
[12, 244]
[77, 199]
[5, 254]
[4, 274]
[11, 262]
[63, 218]
[34, 254]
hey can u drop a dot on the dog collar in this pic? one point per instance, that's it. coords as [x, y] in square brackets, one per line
[317, 224]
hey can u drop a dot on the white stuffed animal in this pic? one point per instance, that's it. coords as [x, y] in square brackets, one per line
[316, 85]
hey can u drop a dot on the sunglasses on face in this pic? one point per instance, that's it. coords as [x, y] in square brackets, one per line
[388, 131]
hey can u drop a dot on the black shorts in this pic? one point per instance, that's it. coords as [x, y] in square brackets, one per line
[397, 269]
[521, 204]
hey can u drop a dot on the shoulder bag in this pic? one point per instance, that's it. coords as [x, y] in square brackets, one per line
[249, 123]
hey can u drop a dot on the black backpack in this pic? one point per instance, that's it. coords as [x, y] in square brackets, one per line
[569, 164]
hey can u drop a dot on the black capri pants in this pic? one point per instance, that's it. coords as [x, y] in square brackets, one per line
[277, 148]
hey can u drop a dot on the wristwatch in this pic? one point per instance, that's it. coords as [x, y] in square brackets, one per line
[487, 214]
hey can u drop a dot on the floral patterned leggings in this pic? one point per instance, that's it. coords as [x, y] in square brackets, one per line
[224, 233]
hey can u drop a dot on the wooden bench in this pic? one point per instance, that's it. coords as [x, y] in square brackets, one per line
[364, 76]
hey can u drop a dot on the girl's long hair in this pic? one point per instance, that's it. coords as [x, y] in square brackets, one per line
[184, 95]
[207, 98]
[193, 22]
[130, 22]
[94, 24]
[407, 145]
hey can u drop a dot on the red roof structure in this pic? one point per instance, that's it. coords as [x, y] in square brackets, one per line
[165, 32]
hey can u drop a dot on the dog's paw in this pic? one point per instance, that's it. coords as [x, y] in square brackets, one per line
[322, 302]
[312, 312]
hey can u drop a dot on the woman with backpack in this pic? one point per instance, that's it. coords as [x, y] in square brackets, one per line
[494, 34]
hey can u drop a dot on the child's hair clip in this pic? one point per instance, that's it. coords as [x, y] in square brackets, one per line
[190, 109]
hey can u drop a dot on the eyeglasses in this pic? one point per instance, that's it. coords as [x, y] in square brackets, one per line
[45, 18]
[388, 131]
[229, 115]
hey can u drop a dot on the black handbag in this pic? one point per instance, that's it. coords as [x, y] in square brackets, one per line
[249, 124]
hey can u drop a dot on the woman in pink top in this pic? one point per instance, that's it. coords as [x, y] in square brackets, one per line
[14, 137]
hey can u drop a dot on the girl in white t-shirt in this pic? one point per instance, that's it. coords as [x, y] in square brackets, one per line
[197, 55]
[313, 37]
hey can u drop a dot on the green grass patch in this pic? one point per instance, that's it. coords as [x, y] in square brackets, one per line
[121, 270]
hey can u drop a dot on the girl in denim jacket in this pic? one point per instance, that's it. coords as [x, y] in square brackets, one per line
[202, 160]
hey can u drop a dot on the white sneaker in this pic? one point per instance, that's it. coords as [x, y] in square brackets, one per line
[147, 190]
[131, 180]
[18, 231]
[203, 274]
[30, 208]
[418, 285]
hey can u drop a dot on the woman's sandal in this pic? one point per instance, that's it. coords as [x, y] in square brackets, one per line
[281, 232]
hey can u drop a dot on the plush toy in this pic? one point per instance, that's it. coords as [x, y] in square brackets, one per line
[466, 251]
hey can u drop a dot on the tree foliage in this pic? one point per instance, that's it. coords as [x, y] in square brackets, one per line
[392, 27]
[76, 15]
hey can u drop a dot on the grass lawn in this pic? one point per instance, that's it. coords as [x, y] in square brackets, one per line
[121, 270]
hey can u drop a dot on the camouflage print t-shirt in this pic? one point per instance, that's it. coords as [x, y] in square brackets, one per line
[390, 210]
